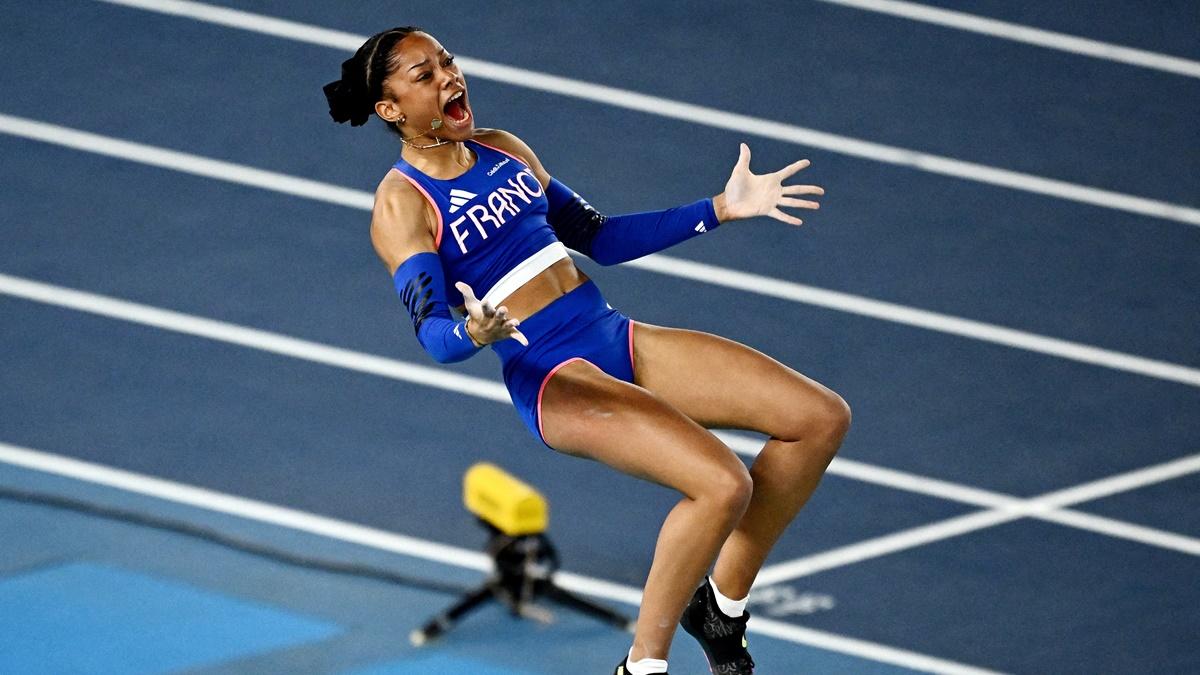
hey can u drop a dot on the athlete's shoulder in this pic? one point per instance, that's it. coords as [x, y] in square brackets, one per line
[395, 190]
[398, 205]
[510, 143]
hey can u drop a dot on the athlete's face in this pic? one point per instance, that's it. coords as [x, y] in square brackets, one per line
[425, 84]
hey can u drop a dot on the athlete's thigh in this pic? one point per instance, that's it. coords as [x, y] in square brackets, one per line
[588, 413]
[721, 383]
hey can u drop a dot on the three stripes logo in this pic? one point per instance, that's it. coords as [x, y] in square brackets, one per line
[459, 197]
[417, 296]
[700, 227]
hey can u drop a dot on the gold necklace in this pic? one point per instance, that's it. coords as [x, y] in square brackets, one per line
[414, 146]
[434, 126]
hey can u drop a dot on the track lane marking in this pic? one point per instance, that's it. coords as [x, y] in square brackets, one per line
[677, 267]
[917, 318]
[1016, 32]
[263, 512]
[696, 114]
[1049, 507]
[253, 338]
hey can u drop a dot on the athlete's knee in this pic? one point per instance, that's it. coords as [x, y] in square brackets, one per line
[730, 488]
[836, 417]
[823, 416]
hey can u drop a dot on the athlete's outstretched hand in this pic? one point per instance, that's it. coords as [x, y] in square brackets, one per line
[747, 195]
[488, 324]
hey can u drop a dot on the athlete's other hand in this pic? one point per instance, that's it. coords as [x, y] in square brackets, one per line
[487, 324]
[747, 195]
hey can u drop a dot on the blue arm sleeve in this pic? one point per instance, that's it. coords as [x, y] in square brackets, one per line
[421, 283]
[615, 239]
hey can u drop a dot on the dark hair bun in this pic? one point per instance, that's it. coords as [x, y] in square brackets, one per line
[348, 97]
[352, 98]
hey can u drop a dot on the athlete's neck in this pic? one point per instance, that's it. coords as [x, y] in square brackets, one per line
[443, 162]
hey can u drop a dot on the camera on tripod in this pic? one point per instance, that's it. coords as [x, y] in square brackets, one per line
[524, 561]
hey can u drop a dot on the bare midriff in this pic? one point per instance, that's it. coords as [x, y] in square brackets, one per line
[551, 284]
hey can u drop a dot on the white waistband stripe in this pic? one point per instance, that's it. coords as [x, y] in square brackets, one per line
[524, 271]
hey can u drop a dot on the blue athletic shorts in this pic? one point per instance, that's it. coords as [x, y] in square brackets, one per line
[578, 325]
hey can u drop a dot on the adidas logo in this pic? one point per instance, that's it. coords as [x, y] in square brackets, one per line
[458, 198]
[700, 227]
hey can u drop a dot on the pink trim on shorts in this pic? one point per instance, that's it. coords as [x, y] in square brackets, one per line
[437, 239]
[542, 389]
[632, 367]
[501, 150]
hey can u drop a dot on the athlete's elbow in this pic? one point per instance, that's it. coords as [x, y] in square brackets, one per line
[441, 356]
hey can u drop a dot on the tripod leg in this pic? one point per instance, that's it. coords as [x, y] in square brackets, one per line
[569, 599]
[447, 619]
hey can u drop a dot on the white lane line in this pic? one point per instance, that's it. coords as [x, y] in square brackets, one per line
[1123, 482]
[315, 352]
[1028, 35]
[184, 162]
[249, 21]
[263, 512]
[871, 650]
[877, 547]
[918, 318]
[1119, 529]
[710, 117]
[661, 264]
[253, 338]
[220, 502]
[1047, 507]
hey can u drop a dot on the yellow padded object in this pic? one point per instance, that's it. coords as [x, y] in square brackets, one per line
[510, 505]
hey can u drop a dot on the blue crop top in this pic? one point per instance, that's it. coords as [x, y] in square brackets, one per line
[490, 220]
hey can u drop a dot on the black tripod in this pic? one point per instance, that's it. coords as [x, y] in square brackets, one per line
[524, 570]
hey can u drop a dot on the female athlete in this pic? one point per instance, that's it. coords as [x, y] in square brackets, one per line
[469, 210]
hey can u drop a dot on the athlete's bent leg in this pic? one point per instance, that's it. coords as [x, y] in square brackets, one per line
[585, 412]
[721, 383]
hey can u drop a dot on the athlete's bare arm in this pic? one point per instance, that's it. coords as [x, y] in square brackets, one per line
[402, 225]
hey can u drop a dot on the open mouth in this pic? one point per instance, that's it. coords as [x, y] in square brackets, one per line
[456, 109]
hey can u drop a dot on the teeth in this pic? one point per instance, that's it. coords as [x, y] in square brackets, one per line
[452, 99]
